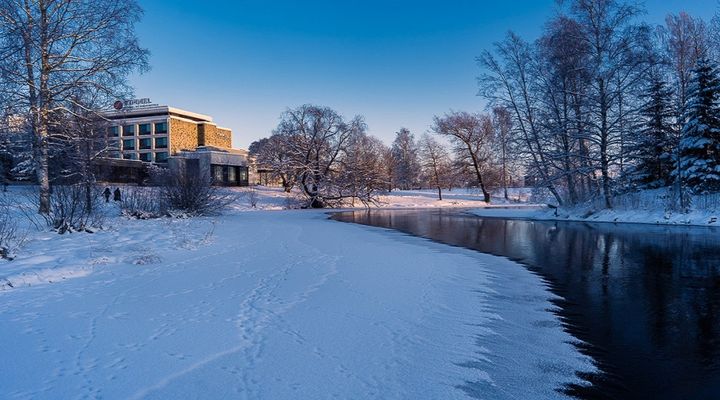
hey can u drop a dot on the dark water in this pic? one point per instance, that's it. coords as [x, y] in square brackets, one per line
[646, 299]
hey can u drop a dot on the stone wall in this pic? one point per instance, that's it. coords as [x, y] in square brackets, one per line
[183, 135]
[211, 135]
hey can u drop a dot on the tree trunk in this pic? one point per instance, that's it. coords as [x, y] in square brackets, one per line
[604, 138]
[41, 169]
[476, 165]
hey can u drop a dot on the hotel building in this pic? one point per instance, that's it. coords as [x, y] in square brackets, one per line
[170, 136]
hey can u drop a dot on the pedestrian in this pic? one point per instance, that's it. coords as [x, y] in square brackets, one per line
[106, 193]
[116, 194]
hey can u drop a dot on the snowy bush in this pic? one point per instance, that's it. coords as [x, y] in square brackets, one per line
[143, 203]
[667, 199]
[192, 194]
[252, 197]
[10, 237]
[73, 208]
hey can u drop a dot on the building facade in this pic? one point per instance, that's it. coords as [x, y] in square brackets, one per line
[170, 136]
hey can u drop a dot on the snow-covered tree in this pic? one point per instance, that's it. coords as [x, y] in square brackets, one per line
[699, 167]
[273, 153]
[362, 175]
[316, 140]
[654, 147]
[405, 156]
[53, 49]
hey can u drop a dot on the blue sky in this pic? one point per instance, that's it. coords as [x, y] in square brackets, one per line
[397, 62]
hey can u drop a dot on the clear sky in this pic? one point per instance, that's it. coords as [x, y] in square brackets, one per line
[396, 62]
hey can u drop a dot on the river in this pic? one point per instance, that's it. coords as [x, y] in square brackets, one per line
[645, 299]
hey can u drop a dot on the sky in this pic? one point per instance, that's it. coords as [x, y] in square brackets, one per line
[396, 62]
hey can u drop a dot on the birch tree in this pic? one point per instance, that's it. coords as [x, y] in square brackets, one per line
[617, 63]
[52, 49]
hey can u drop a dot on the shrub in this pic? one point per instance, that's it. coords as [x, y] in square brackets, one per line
[143, 203]
[191, 194]
[74, 208]
[11, 237]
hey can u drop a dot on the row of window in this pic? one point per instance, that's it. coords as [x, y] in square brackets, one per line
[229, 175]
[145, 143]
[158, 157]
[142, 129]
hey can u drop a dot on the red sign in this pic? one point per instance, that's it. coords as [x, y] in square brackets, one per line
[118, 105]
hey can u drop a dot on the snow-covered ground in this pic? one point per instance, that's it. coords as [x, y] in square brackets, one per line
[273, 305]
[693, 218]
[274, 198]
[648, 207]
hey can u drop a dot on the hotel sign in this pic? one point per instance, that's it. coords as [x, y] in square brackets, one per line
[132, 104]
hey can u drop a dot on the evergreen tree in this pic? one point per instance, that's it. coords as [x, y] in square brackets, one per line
[699, 167]
[656, 143]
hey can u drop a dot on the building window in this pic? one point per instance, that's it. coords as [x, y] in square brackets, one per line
[129, 130]
[147, 157]
[161, 143]
[114, 131]
[218, 173]
[161, 127]
[145, 129]
[130, 156]
[129, 144]
[145, 143]
[232, 174]
[161, 156]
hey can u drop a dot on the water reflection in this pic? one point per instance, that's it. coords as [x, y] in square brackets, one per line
[645, 299]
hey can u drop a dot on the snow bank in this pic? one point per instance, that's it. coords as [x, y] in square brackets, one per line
[278, 305]
[638, 216]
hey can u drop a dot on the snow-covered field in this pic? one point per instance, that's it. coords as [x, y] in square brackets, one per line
[273, 305]
[273, 198]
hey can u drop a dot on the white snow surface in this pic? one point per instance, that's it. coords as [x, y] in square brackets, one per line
[274, 198]
[274, 305]
[637, 216]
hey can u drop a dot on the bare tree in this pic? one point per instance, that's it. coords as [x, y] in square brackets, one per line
[317, 139]
[51, 49]
[617, 63]
[502, 122]
[362, 176]
[686, 40]
[435, 162]
[511, 81]
[472, 135]
[273, 153]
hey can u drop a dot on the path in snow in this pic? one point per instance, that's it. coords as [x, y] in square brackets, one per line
[283, 305]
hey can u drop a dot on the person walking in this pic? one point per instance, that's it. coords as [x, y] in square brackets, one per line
[116, 194]
[106, 193]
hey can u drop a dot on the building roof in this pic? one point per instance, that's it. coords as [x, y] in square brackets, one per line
[153, 111]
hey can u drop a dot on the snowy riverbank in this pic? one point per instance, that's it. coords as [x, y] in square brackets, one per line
[284, 304]
[639, 216]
